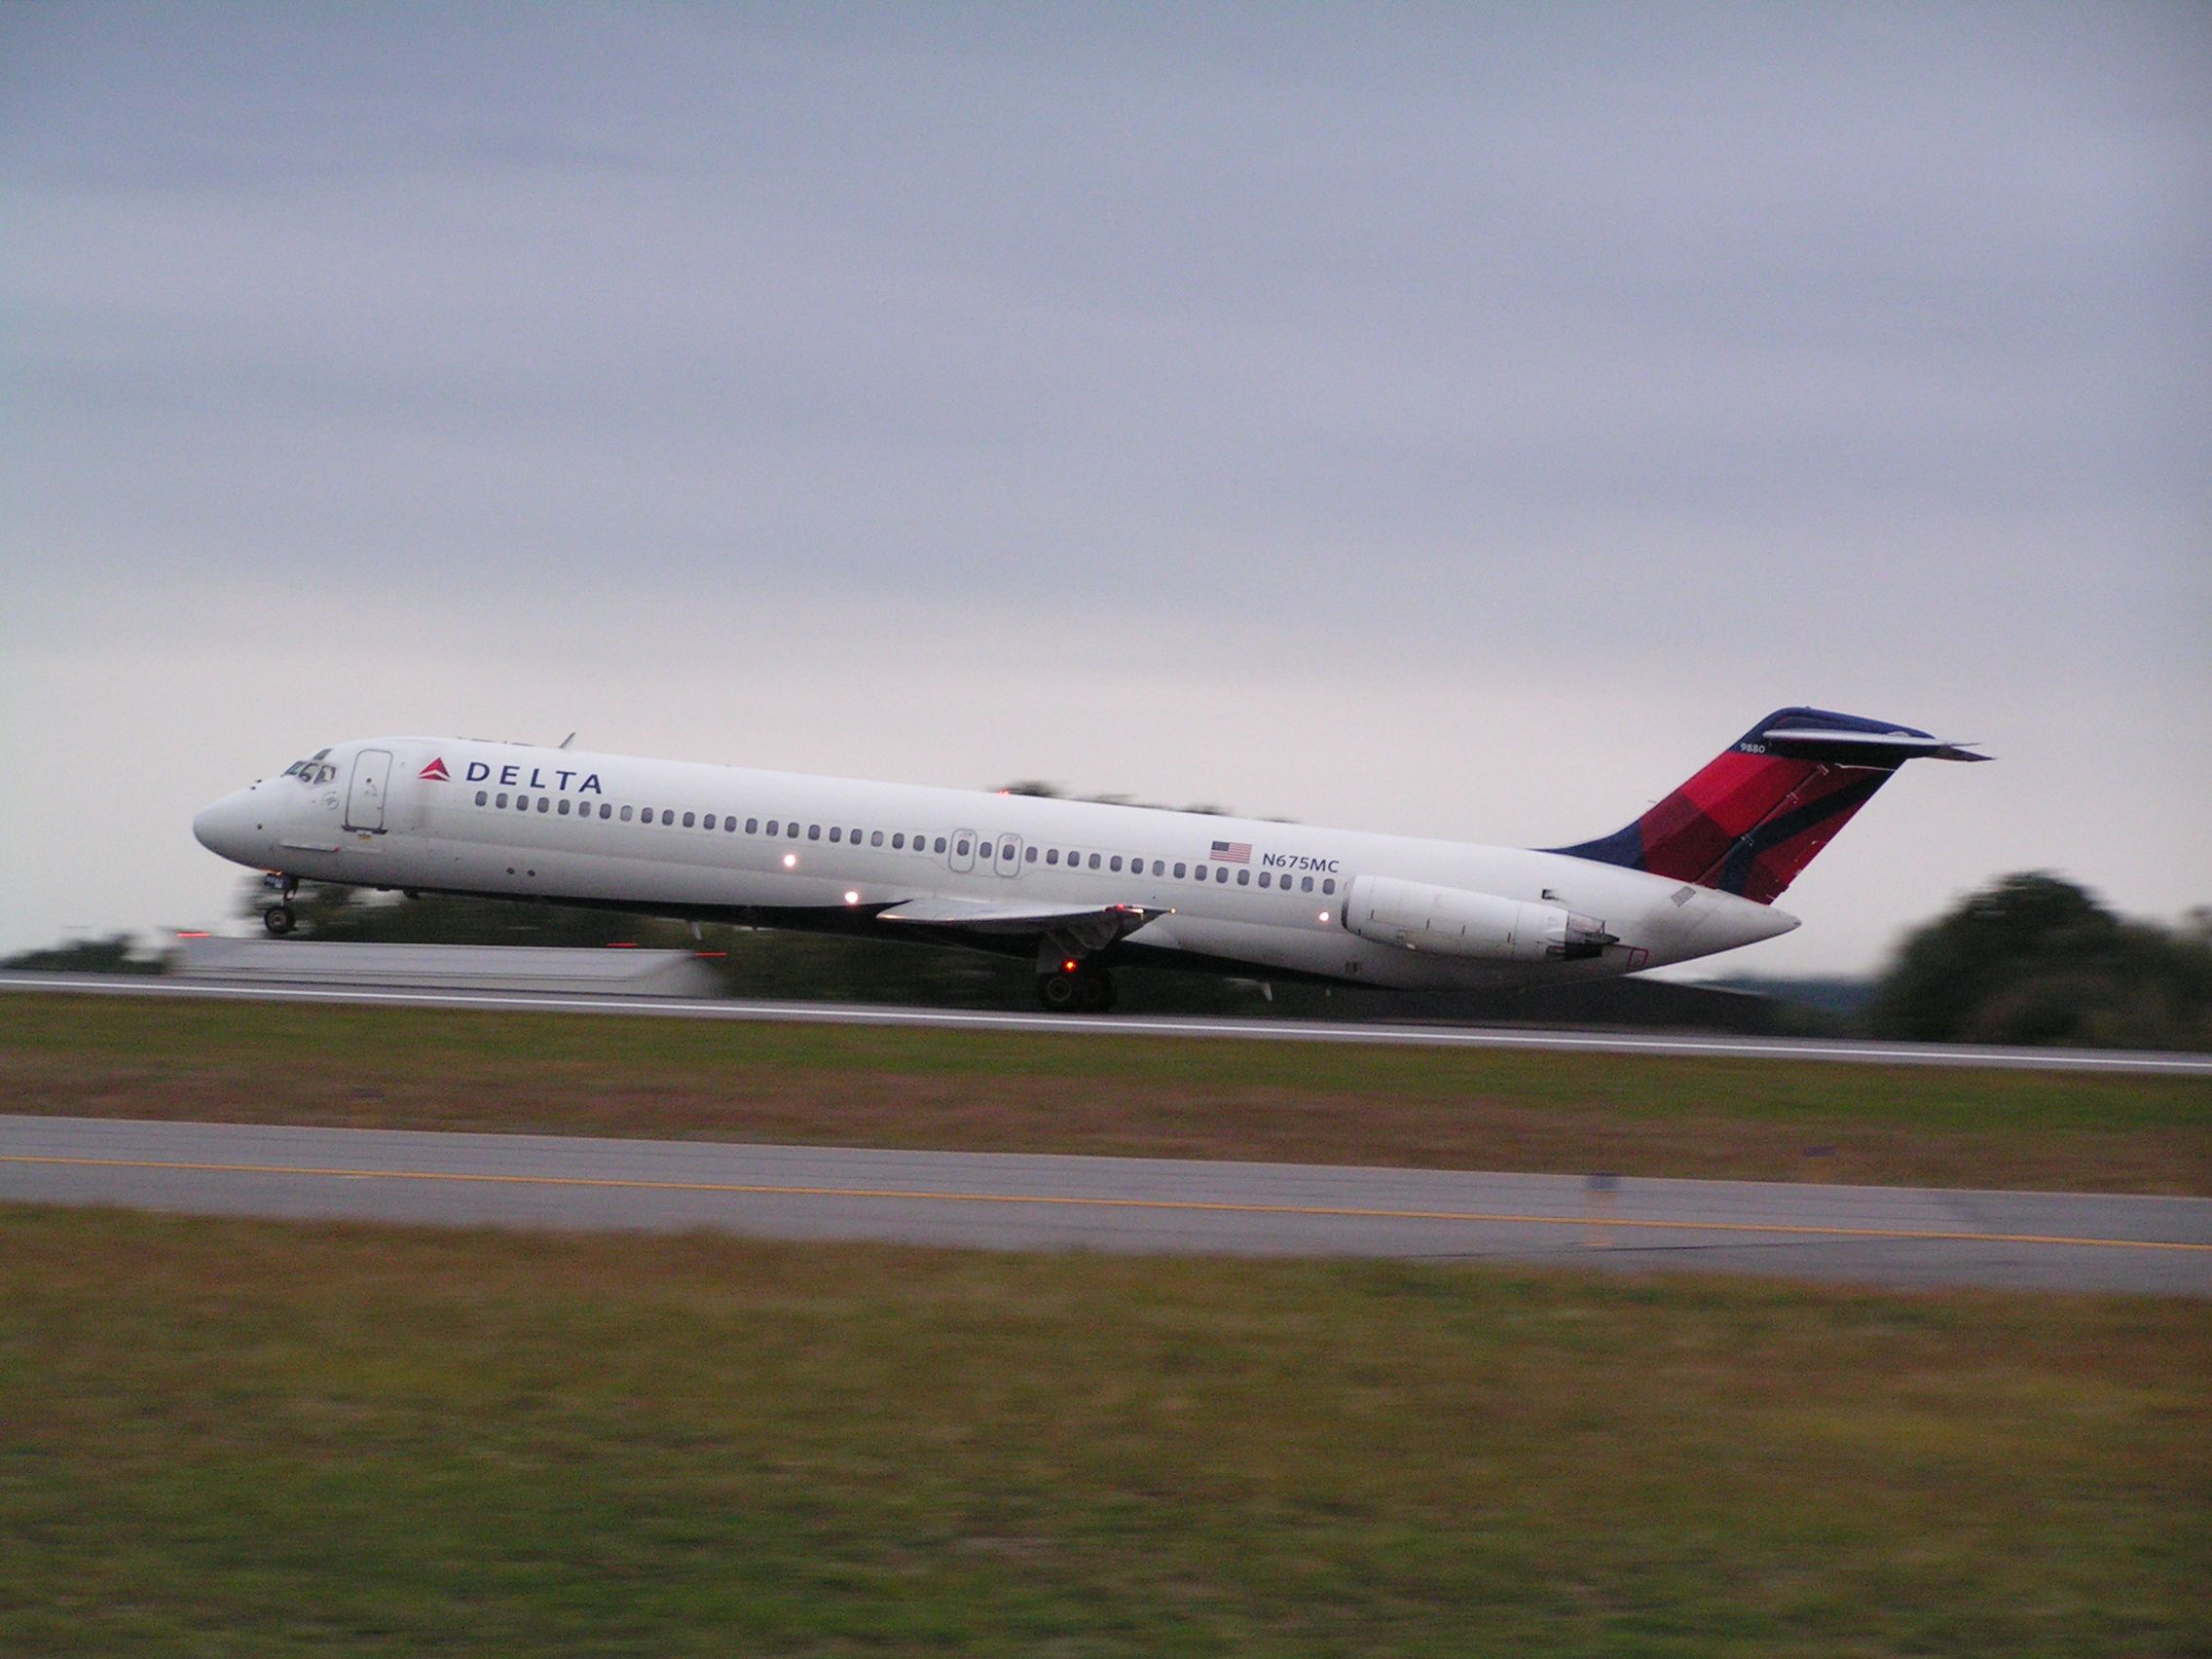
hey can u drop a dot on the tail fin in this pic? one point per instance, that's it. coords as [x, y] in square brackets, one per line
[1756, 813]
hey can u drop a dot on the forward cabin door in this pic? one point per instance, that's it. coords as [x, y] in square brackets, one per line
[365, 793]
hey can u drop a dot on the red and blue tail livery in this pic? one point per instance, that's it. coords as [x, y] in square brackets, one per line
[1755, 814]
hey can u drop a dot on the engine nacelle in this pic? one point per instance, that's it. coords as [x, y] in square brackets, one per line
[1452, 921]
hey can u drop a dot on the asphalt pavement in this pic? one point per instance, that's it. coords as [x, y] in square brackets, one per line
[1880, 1236]
[1390, 1034]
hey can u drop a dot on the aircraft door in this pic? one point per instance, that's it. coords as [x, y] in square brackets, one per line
[963, 857]
[1010, 854]
[364, 794]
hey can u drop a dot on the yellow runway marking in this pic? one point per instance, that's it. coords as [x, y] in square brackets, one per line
[770, 1189]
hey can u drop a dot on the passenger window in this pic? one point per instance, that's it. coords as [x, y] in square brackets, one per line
[1328, 884]
[564, 806]
[899, 841]
[814, 832]
[791, 829]
[626, 815]
[480, 797]
[1051, 855]
[775, 828]
[1115, 863]
[961, 850]
[875, 838]
[1306, 884]
[940, 843]
[1243, 878]
[1031, 855]
[1266, 880]
[854, 836]
[1220, 872]
[986, 853]
[690, 819]
[836, 833]
[1200, 873]
[503, 800]
[543, 802]
[606, 811]
[1180, 870]
[1093, 861]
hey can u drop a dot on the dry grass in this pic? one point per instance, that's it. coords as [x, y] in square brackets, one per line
[259, 1437]
[1196, 1098]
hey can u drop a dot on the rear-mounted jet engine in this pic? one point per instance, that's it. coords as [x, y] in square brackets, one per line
[1450, 921]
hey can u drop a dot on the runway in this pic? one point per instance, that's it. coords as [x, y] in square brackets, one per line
[1540, 1039]
[1882, 1235]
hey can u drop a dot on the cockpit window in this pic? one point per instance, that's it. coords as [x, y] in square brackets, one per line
[312, 771]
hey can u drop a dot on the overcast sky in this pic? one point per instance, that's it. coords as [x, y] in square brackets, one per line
[1454, 419]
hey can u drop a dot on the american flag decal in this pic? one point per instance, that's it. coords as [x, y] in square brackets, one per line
[1233, 852]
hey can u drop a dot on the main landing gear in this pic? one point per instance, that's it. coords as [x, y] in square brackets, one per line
[1076, 987]
[280, 918]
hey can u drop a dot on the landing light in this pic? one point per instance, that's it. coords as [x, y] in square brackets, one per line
[1324, 915]
[1070, 966]
[852, 898]
[791, 860]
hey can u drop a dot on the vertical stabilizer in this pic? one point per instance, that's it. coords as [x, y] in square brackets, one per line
[1759, 812]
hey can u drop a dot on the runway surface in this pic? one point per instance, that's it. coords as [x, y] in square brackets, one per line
[1887, 1235]
[1145, 1025]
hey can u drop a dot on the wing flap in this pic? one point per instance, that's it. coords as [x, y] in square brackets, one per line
[997, 916]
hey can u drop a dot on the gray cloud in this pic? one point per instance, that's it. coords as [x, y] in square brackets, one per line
[1516, 381]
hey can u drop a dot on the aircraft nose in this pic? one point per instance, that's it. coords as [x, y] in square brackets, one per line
[230, 829]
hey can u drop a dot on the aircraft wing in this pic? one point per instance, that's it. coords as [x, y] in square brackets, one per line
[1093, 927]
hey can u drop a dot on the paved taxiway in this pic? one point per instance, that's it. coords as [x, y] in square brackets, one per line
[1890, 1236]
[1683, 1044]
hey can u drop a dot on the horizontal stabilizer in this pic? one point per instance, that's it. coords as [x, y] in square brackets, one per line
[1863, 748]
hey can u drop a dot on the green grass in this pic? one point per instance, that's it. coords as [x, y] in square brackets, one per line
[226, 1437]
[1054, 1092]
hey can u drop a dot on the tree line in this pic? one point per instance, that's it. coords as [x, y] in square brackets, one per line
[2032, 958]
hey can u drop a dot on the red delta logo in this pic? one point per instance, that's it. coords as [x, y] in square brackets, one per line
[437, 771]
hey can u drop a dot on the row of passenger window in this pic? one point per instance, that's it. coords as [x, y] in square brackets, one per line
[1072, 858]
[986, 853]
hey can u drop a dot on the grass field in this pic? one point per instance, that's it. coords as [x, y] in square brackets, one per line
[231, 1437]
[1051, 1092]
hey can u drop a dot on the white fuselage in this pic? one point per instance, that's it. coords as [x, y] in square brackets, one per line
[686, 840]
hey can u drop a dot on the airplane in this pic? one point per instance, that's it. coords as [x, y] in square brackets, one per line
[1076, 886]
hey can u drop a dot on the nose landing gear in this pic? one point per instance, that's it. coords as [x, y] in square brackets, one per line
[280, 918]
